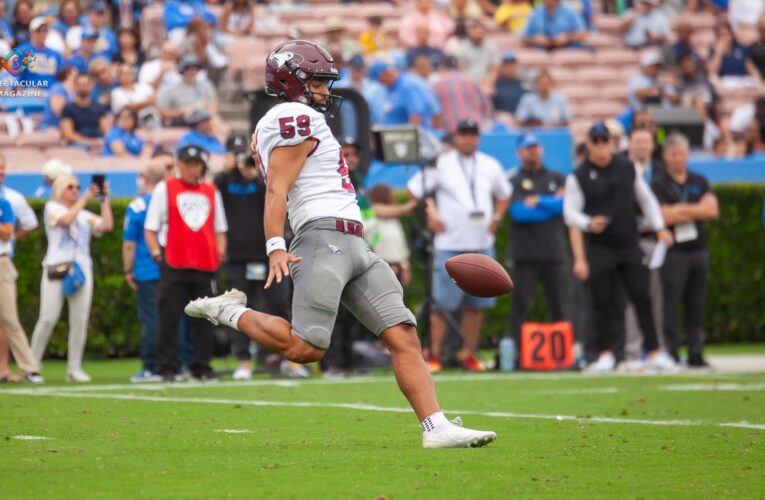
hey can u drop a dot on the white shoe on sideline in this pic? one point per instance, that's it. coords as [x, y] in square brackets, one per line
[77, 376]
[661, 362]
[456, 436]
[606, 363]
[631, 366]
[242, 373]
[211, 308]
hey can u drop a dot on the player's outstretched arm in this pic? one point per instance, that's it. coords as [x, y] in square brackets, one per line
[285, 164]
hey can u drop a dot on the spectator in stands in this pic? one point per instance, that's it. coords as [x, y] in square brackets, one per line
[682, 45]
[537, 244]
[554, 26]
[543, 107]
[83, 56]
[48, 62]
[508, 89]
[757, 49]
[422, 75]
[471, 197]
[244, 195]
[646, 89]
[691, 85]
[404, 101]
[755, 128]
[188, 246]
[646, 25]
[199, 43]
[374, 39]
[141, 272]
[478, 59]
[23, 13]
[435, 55]
[743, 14]
[460, 97]
[59, 96]
[96, 19]
[337, 42]
[176, 103]
[163, 71]
[512, 15]
[728, 58]
[470, 9]
[18, 219]
[129, 52]
[6, 33]
[612, 255]
[51, 171]
[423, 13]
[84, 122]
[686, 203]
[423, 68]
[201, 133]
[104, 82]
[69, 227]
[138, 97]
[372, 90]
[122, 140]
[68, 17]
[238, 18]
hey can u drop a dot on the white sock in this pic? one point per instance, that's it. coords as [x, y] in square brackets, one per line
[230, 315]
[434, 422]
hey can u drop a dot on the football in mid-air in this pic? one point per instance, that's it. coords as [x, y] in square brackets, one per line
[479, 275]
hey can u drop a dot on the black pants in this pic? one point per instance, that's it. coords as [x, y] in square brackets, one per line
[525, 278]
[274, 301]
[176, 288]
[608, 268]
[684, 281]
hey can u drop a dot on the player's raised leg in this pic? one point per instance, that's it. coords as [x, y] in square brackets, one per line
[272, 332]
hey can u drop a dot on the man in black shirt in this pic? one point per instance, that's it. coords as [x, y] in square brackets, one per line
[508, 89]
[757, 49]
[686, 202]
[599, 207]
[536, 245]
[84, 122]
[244, 195]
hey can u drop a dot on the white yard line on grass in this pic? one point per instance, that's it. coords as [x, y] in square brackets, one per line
[390, 409]
[576, 392]
[713, 387]
[31, 438]
[447, 378]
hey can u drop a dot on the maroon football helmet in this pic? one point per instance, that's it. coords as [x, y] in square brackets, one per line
[292, 65]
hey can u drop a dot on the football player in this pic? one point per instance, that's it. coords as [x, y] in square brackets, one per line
[328, 260]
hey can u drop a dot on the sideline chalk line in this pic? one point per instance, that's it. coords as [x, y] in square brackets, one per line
[392, 409]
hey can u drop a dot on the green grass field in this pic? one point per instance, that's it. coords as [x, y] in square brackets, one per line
[561, 435]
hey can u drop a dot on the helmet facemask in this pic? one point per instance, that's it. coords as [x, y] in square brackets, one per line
[331, 106]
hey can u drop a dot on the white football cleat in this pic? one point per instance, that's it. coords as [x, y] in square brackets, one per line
[77, 376]
[456, 436]
[211, 308]
[631, 366]
[242, 374]
[661, 362]
[606, 363]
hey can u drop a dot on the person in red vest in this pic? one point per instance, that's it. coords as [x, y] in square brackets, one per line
[186, 234]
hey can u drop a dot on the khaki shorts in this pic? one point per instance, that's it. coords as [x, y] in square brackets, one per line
[339, 267]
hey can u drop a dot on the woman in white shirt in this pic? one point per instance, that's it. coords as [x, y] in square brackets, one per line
[69, 226]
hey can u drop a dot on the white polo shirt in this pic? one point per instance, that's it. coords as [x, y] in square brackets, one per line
[464, 187]
[25, 216]
[157, 214]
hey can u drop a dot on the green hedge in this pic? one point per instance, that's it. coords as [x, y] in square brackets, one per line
[735, 308]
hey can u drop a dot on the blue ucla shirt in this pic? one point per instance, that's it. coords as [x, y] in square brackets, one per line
[47, 63]
[6, 217]
[206, 142]
[144, 268]
[404, 100]
[133, 143]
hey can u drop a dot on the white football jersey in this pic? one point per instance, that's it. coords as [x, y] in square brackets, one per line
[323, 187]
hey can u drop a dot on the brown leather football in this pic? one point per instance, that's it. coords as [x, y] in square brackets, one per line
[479, 275]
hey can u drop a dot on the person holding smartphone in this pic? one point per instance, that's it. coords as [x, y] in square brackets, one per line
[599, 208]
[69, 227]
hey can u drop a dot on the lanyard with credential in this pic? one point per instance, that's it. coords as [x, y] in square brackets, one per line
[470, 178]
[682, 194]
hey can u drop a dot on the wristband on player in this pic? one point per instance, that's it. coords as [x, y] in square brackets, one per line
[275, 243]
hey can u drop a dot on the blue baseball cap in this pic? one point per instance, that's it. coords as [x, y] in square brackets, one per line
[89, 33]
[527, 140]
[509, 56]
[599, 131]
[377, 68]
[96, 7]
[356, 61]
